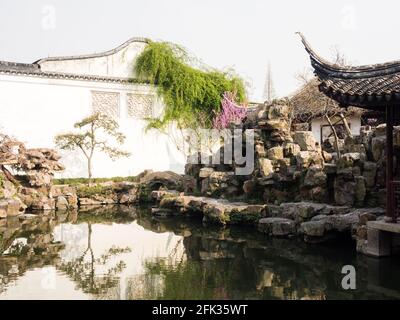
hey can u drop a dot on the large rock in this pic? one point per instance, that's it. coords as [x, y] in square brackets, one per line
[291, 150]
[278, 111]
[369, 173]
[205, 172]
[89, 202]
[219, 211]
[280, 125]
[38, 178]
[278, 227]
[260, 151]
[315, 176]
[380, 130]
[344, 192]
[349, 160]
[301, 211]
[128, 193]
[10, 208]
[275, 153]
[40, 160]
[43, 203]
[306, 140]
[305, 159]
[320, 225]
[61, 192]
[360, 190]
[247, 214]
[62, 203]
[167, 179]
[266, 167]
[313, 228]
[222, 184]
[7, 189]
[378, 145]
[158, 195]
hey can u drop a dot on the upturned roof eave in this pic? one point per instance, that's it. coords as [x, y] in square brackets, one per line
[326, 68]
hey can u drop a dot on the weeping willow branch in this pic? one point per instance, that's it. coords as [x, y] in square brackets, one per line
[192, 96]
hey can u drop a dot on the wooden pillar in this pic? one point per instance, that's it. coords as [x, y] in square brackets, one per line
[390, 205]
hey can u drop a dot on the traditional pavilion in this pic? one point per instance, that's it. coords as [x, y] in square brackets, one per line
[373, 87]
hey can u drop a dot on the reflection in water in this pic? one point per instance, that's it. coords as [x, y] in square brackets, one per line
[124, 253]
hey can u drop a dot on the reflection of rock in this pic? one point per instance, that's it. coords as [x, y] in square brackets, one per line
[278, 268]
[229, 263]
[37, 250]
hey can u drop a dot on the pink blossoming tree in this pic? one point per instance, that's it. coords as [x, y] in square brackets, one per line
[231, 112]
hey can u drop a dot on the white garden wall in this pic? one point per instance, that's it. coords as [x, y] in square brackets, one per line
[35, 109]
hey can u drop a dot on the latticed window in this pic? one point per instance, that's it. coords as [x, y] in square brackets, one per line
[106, 103]
[140, 106]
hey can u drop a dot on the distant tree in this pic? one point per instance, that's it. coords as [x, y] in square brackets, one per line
[88, 138]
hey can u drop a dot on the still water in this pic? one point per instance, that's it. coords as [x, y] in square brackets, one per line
[124, 253]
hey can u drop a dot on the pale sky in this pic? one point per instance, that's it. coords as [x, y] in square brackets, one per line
[241, 34]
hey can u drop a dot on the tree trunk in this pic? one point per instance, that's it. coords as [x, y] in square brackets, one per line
[335, 135]
[346, 124]
[8, 175]
[89, 163]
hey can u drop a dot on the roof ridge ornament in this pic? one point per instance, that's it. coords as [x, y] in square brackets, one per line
[310, 50]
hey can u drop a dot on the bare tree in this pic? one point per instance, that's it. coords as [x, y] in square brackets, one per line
[309, 103]
[88, 138]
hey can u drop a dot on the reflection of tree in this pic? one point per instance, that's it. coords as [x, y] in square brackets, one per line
[83, 269]
[190, 279]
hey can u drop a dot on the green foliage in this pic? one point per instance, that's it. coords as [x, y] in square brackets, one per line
[85, 191]
[192, 96]
[87, 139]
[77, 181]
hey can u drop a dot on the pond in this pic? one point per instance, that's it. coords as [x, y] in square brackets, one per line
[125, 253]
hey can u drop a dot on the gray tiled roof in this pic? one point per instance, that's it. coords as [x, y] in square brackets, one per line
[370, 86]
[34, 70]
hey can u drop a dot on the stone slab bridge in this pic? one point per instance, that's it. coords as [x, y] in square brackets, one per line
[373, 87]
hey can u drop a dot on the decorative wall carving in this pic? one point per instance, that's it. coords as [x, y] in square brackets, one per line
[140, 106]
[106, 103]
